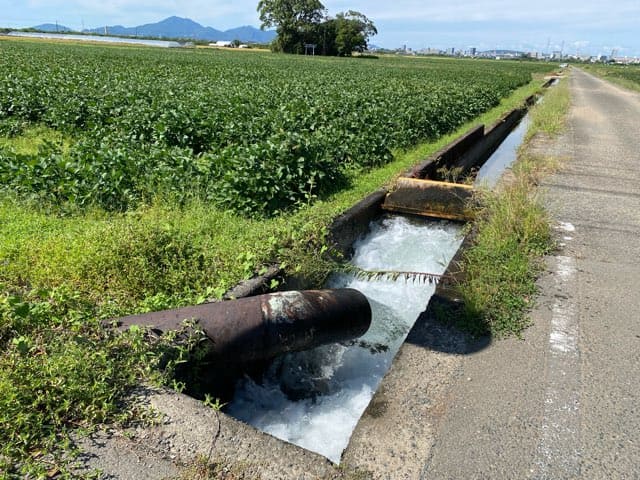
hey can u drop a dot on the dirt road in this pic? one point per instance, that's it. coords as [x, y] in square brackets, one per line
[565, 401]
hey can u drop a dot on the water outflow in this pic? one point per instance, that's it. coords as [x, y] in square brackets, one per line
[314, 399]
[503, 157]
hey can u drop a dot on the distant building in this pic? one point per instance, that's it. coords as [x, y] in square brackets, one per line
[472, 51]
[222, 43]
[430, 51]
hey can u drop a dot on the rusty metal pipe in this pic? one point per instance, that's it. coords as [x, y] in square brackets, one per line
[262, 327]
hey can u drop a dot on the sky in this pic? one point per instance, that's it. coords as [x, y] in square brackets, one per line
[592, 27]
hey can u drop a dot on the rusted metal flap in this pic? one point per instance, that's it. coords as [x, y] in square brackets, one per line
[430, 198]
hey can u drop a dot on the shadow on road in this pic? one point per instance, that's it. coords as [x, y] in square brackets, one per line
[435, 330]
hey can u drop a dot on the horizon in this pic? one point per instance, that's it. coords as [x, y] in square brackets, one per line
[584, 28]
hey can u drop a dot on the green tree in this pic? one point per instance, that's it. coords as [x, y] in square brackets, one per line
[326, 37]
[353, 30]
[296, 22]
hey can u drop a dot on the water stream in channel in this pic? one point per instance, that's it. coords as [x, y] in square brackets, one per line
[314, 399]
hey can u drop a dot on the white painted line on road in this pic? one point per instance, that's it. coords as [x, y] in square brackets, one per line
[558, 453]
[564, 327]
[566, 227]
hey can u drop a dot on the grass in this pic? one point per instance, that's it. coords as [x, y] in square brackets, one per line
[512, 235]
[501, 266]
[549, 117]
[62, 273]
[175, 255]
[627, 76]
[59, 371]
[25, 139]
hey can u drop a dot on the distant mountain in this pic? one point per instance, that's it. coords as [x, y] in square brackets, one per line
[249, 34]
[176, 27]
[51, 27]
[173, 27]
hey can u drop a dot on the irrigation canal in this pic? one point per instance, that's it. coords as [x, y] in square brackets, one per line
[315, 398]
[398, 376]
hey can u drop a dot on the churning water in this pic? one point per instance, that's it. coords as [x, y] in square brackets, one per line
[315, 398]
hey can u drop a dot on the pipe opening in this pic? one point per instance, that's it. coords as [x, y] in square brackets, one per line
[315, 398]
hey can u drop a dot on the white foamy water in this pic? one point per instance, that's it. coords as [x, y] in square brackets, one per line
[314, 399]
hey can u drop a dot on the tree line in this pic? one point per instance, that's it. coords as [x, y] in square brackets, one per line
[304, 26]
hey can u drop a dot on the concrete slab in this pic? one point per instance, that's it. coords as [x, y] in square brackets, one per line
[398, 429]
[188, 430]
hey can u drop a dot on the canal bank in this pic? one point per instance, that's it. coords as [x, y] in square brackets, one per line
[223, 442]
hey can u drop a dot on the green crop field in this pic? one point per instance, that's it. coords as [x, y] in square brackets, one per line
[253, 133]
[137, 179]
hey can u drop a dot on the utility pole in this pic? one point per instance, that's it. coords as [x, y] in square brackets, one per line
[548, 45]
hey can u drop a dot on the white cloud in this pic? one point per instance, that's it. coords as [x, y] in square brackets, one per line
[580, 44]
[494, 10]
[571, 11]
